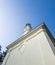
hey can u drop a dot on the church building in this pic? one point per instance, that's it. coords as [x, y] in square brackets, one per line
[35, 47]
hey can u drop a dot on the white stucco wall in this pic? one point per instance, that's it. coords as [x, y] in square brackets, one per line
[34, 50]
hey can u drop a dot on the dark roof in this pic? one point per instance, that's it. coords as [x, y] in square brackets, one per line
[28, 24]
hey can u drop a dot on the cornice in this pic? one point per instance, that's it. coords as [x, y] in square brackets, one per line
[41, 26]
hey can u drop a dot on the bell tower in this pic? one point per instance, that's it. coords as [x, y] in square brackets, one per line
[27, 28]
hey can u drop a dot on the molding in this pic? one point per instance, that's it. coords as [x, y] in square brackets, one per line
[35, 30]
[19, 44]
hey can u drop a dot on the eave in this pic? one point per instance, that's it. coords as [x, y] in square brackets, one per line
[41, 26]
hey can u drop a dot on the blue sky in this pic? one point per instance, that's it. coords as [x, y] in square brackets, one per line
[14, 14]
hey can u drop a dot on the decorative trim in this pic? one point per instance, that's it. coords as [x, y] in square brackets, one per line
[42, 26]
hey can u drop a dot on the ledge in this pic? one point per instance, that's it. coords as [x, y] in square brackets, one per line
[41, 26]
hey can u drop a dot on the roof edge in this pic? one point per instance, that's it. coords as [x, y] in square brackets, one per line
[37, 28]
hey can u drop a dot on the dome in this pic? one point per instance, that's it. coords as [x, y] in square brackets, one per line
[27, 27]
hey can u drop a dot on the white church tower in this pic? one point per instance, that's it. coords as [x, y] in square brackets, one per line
[35, 47]
[27, 28]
